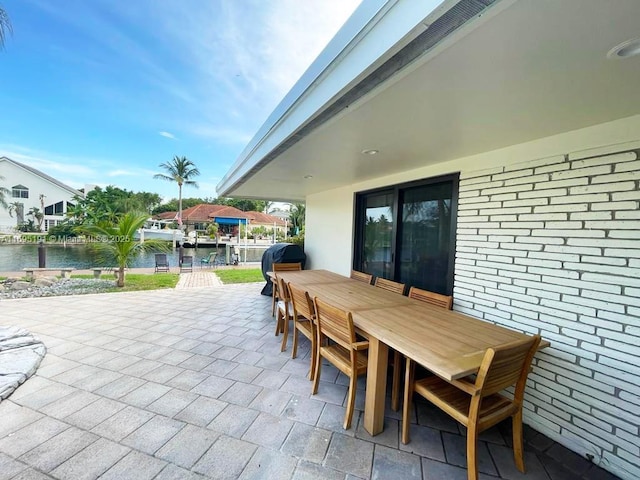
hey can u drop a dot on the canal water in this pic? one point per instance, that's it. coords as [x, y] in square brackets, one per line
[14, 258]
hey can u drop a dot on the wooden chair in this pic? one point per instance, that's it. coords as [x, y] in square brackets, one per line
[390, 285]
[437, 299]
[361, 276]
[475, 401]
[398, 288]
[345, 352]
[284, 311]
[304, 318]
[280, 267]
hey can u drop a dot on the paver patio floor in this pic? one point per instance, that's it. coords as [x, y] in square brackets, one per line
[191, 383]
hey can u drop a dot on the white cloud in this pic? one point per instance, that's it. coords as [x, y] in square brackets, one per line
[121, 173]
[167, 135]
[231, 61]
[223, 135]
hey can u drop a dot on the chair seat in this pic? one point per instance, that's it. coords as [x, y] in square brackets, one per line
[457, 403]
[285, 307]
[340, 357]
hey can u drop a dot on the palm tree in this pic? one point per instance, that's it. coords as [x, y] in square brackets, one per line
[38, 214]
[3, 192]
[180, 170]
[5, 26]
[18, 209]
[117, 243]
[297, 215]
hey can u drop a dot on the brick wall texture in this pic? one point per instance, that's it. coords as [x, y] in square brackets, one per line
[552, 246]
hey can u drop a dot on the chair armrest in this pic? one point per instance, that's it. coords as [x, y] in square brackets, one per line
[360, 345]
[465, 386]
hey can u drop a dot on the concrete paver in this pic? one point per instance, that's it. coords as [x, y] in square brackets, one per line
[190, 383]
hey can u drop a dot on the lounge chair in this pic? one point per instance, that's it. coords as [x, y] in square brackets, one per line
[162, 264]
[209, 260]
[186, 264]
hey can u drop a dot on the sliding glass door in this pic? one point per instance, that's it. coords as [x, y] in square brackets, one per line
[377, 234]
[407, 233]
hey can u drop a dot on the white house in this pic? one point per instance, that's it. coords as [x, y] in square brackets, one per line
[488, 149]
[30, 188]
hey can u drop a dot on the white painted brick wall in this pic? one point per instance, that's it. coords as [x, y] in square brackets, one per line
[552, 246]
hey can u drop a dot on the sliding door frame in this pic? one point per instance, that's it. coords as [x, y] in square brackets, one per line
[396, 191]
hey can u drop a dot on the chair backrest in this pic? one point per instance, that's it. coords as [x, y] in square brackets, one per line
[161, 259]
[390, 285]
[283, 290]
[212, 256]
[334, 323]
[187, 260]
[507, 365]
[437, 299]
[286, 267]
[302, 303]
[361, 276]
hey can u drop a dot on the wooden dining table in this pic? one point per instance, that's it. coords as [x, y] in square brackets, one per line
[448, 343]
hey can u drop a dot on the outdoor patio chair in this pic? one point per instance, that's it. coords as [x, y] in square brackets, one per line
[162, 264]
[398, 288]
[284, 311]
[390, 285]
[209, 260]
[437, 299]
[280, 267]
[344, 352]
[361, 276]
[474, 401]
[304, 318]
[186, 264]
[432, 298]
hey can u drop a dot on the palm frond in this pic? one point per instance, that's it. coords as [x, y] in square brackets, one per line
[5, 26]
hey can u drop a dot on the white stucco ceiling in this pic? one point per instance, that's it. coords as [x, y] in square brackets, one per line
[525, 70]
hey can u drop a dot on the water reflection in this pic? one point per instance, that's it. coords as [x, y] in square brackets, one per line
[14, 258]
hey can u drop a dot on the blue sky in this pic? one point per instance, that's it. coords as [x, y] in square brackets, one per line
[103, 91]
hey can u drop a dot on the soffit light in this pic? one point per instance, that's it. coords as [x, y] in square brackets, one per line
[307, 177]
[369, 152]
[626, 49]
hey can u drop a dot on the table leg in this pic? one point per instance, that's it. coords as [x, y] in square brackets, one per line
[376, 386]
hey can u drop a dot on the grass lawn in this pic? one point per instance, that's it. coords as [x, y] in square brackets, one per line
[140, 281]
[240, 275]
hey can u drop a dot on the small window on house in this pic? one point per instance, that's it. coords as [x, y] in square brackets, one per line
[19, 191]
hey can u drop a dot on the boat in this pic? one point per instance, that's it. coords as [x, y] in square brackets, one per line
[159, 230]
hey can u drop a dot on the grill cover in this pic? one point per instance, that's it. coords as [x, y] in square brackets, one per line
[280, 253]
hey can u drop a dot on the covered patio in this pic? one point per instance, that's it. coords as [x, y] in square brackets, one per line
[191, 383]
[486, 150]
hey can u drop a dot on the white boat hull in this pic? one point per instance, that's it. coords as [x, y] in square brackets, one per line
[170, 235]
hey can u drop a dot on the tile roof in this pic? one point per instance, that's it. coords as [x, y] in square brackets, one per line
[205, 212]
[265, 219]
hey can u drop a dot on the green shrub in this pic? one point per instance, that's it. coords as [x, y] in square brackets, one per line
[298, 240]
